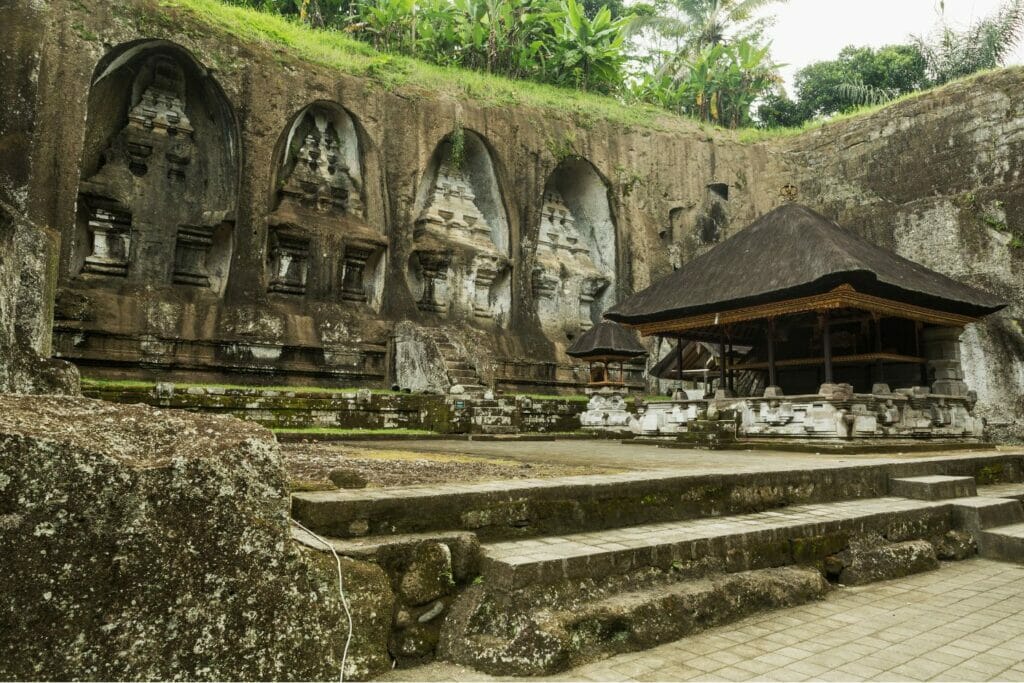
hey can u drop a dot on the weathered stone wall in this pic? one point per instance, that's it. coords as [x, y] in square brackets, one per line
[148, 544]
[277, 409]
[143, 325]
[28, 244]
[934, 178]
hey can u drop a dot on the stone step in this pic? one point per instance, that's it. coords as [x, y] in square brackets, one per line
[976, 514]
[1007, 490]
[538, 507]
[734, 543]
[935, 487]
[550, 638]
[1003, 543]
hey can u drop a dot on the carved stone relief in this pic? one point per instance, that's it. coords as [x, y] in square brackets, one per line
[457, 265]
[156, 211]
[574, 267]
[320, 245]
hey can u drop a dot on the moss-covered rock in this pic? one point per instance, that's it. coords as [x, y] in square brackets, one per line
[871, 558]
[148, 544]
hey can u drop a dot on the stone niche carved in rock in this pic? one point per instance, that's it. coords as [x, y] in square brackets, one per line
[574, 272]
[460, 265]
[319, 244]
[157, 196]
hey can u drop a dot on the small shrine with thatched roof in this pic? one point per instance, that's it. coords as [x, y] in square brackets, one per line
[603, 346]
[839, 337]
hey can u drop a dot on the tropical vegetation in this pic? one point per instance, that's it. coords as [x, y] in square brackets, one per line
[707, 59]
[865, 76]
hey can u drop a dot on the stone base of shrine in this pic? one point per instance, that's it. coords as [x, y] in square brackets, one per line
[833, 413]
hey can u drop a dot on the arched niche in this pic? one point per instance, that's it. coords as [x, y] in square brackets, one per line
[460, 265]
[158, 188]
[319, 243]
[574, 274]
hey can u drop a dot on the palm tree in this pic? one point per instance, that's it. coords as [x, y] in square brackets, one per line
[951, 54]
[698, 24]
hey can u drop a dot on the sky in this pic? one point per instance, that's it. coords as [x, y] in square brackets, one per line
[809, 31]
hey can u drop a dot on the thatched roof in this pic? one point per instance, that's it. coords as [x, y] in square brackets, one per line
[607, 340]
[793, 252]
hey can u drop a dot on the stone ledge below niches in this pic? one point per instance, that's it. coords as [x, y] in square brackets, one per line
[932, 487]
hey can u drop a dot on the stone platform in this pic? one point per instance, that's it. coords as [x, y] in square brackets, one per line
[566, 571]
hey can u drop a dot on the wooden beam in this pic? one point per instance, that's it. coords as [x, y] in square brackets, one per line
[851, 359]
[844, 296]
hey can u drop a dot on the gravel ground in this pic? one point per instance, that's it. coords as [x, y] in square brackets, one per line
[308, 464]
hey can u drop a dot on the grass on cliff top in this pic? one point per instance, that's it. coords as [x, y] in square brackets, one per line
[753, 135]
[336, 50]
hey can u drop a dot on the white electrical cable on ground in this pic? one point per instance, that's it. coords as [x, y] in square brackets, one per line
[341, 592]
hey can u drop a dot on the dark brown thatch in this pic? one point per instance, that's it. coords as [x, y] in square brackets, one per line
[794, 252]
[607, 340]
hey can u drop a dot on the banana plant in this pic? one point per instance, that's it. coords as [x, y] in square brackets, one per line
[586, 53]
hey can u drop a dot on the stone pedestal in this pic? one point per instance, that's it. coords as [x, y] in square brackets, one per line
[836, 392]
[942, 349]
[606, 411]
[487, 269]
[353, 269]
[190, 255]
[110, 232]
[288, 264]
[434, 268]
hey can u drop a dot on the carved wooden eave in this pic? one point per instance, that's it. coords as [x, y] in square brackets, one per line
[842, 297]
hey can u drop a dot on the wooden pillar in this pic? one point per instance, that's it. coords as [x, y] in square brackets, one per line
[771, 354]
[879, 365]
[918, 352]
[732, 373]
[721, 362]
[679, 359]
[826, 344]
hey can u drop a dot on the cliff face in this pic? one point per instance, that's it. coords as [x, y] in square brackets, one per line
[937, 179]
[332, 207]
[28, 248]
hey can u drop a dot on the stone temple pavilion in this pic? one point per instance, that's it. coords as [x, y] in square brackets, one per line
[840, 337]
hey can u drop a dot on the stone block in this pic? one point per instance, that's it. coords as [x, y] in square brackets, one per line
[935, 487]
[956, 545]
[1003, 543]
[347, 479]
[976, 514]
[836, 392]
[872, 559]
[429, 575]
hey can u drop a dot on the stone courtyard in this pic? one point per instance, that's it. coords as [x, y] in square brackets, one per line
[310, 370]
[962, 622]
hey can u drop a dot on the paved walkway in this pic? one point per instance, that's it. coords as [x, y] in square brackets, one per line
[963, 622]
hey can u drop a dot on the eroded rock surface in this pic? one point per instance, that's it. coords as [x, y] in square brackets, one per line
[871, 558]
[148, 544]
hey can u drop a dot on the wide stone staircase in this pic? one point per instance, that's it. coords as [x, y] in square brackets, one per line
[549, 574]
